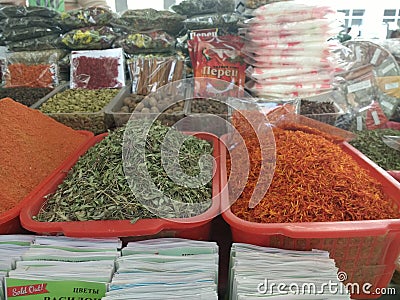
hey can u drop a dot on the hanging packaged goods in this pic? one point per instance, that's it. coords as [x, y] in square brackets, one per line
[287, 38]
[150, 19]
[217, 58]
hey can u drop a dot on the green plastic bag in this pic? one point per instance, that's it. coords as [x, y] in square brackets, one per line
[57, 5]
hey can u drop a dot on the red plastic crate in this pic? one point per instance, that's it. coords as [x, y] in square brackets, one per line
[9, 220]
[197, 227]
[365, 250]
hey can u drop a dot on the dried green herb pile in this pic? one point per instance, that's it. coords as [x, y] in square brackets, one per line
[97, 189]
[370, 143]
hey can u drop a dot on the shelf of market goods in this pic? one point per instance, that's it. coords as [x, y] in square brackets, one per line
[204, 151]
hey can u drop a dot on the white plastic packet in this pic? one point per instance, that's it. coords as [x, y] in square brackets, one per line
[265, 73]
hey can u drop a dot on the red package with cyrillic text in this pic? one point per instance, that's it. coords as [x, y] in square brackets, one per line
[218, 58]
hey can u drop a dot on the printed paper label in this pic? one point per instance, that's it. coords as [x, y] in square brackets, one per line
[388, 68]
[23, 289]
[376, 55]
[359, 123]
[375, 117]
[388, 105]
[391, 86]
[358, 53]
[359, 86]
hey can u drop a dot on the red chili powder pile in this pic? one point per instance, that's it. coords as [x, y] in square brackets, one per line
[32, 145]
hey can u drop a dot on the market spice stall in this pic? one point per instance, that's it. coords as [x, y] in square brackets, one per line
[274, 103]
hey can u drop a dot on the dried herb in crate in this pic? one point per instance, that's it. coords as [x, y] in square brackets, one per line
[370, 143]
[96, 188]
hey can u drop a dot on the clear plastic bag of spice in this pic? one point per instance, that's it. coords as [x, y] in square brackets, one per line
[89, 38]
[46, 42]
[17, 11]
[288, 120]
[97, 69]
[86, 17]
[361, 91]
[253, 4]
[20, 34]
[369, 117]
[199, 7]
[269, 104]
[149, 72]
[150, 19]
[228, 21]
[145, 42]
[27, 22]
[32, 68]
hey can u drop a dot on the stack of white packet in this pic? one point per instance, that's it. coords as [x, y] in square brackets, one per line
[12, 247]
[64, 258]
[166, 268]
[261, 272]
[288, 50]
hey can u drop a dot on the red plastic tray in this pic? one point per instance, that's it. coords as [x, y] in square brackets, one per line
[365, 250]
[198, 227]
[9, 220]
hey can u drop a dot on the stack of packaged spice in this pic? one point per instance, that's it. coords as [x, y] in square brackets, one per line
[286, 46]
[168, 268]
[36, 69]
[63, 267]
[87, 29]
[283, 274]
[30, 28]
[12, 248]
[369, 83]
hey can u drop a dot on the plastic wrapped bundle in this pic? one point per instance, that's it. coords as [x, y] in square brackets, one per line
[288, 50]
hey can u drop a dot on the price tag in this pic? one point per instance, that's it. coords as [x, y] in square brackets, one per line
[388, 68]
[391, 86]
[358, 53]
[359, 123]
[375, 116]
[359, 86]
[387, 104]
[376, 55]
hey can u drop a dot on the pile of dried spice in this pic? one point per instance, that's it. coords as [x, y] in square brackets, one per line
[371, 144]
[314, 181]
[32, 146]
[24, 95]
[97, 187]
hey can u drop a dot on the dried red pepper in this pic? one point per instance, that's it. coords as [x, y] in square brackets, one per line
[96, 72]
[314, 181]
